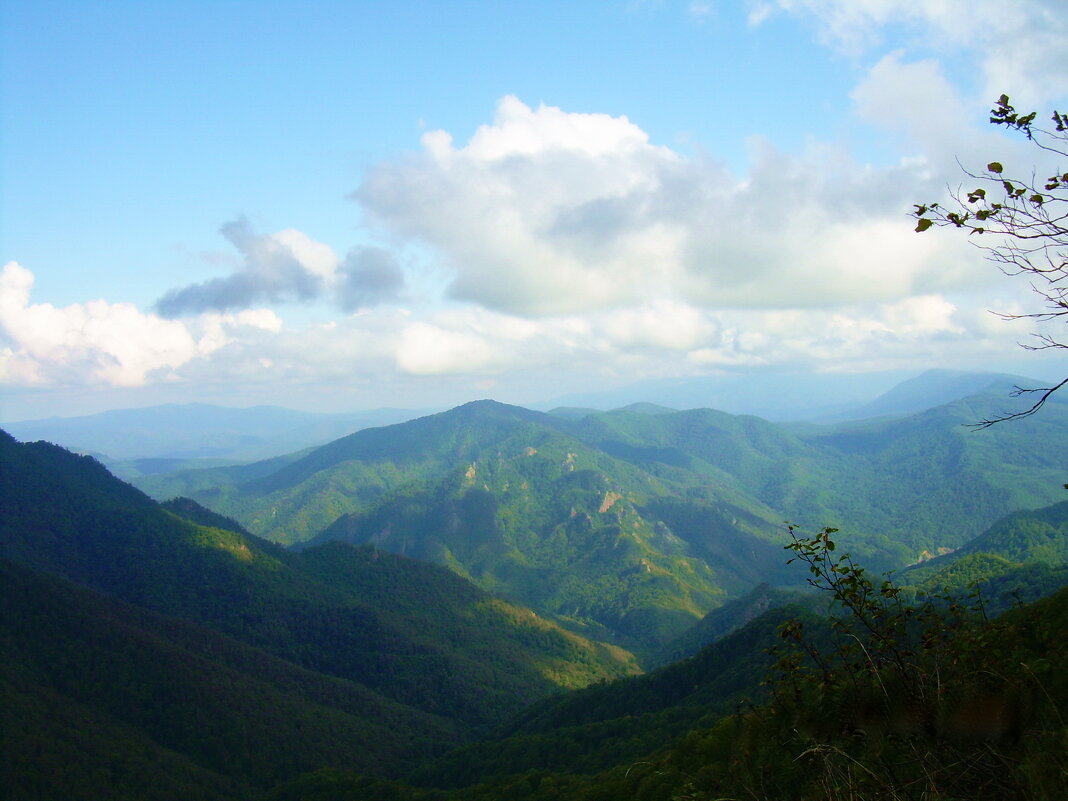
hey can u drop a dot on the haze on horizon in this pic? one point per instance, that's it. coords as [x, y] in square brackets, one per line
[336, 206]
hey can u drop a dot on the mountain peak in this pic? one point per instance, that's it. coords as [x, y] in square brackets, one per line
[492, 408]
[932, 388]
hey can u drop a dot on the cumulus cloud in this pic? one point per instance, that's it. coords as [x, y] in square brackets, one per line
[916, 99]
[103, 343]
[116, 344]
[676, 338]
[287, 266]
[546, 212]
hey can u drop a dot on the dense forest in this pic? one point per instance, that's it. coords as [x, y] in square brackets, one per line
[516, 605]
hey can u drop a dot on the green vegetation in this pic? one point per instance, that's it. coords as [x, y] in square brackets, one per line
[174, 702]
[208, 630]
[632, 525]
[161, 651]
[883, 699]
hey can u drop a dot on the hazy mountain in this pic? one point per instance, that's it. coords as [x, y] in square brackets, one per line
[780, 396]
[936, 388]
[792, 397]
[198, 431]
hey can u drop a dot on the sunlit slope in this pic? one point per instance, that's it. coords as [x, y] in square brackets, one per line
[894, 487]
[640, 523]
[413, 632]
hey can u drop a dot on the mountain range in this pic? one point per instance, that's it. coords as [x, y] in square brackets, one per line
[208, 652]
[631, 525]
[166, 650]
[160, 438]
[156, 439]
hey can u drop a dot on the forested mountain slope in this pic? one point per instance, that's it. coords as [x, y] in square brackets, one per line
[103, 699]
[412, 632]
[977, 712]
[636, 524]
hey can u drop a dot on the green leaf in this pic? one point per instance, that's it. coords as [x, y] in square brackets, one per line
[923, 225]
[995, 167]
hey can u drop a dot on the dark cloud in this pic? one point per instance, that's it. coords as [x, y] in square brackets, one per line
[368, 277]
[271, 272]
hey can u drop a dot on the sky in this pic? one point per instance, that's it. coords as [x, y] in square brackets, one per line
[351, 205]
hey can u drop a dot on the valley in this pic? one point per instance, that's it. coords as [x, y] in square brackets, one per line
[435, 608]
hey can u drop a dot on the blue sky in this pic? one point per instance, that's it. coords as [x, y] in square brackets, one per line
[349, 205]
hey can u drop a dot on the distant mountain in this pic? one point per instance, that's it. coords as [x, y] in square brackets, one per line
[779, 396]
[576, 413]
[182, 432]
[936, 388]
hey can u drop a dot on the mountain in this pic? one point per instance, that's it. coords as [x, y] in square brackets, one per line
[156, 438]
[1020, 558]
[104, 699]
[884, 718]
[634, 525]
[1038, 535]
[622, 722]
[413, 634]
[731, 617]
[780, 396]
[936, 388]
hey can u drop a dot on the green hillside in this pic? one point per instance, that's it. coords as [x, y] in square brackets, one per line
[973, 709]
[155, 700]
[413, 632]
[634, 524]
[149, 652]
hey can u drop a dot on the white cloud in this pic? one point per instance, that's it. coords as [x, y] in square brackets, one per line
[115, 344]
[427, 349]
[104, 343]
[700, 10]
[916, 99]
[547, 213]
[96, 341]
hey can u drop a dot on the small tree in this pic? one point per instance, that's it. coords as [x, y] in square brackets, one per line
[1027, 219]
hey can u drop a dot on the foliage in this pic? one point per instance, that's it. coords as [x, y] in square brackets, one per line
[231, 665]
[210, 711]
[511, 499]
[1028, 218]
[262, 651]
[930, 701]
